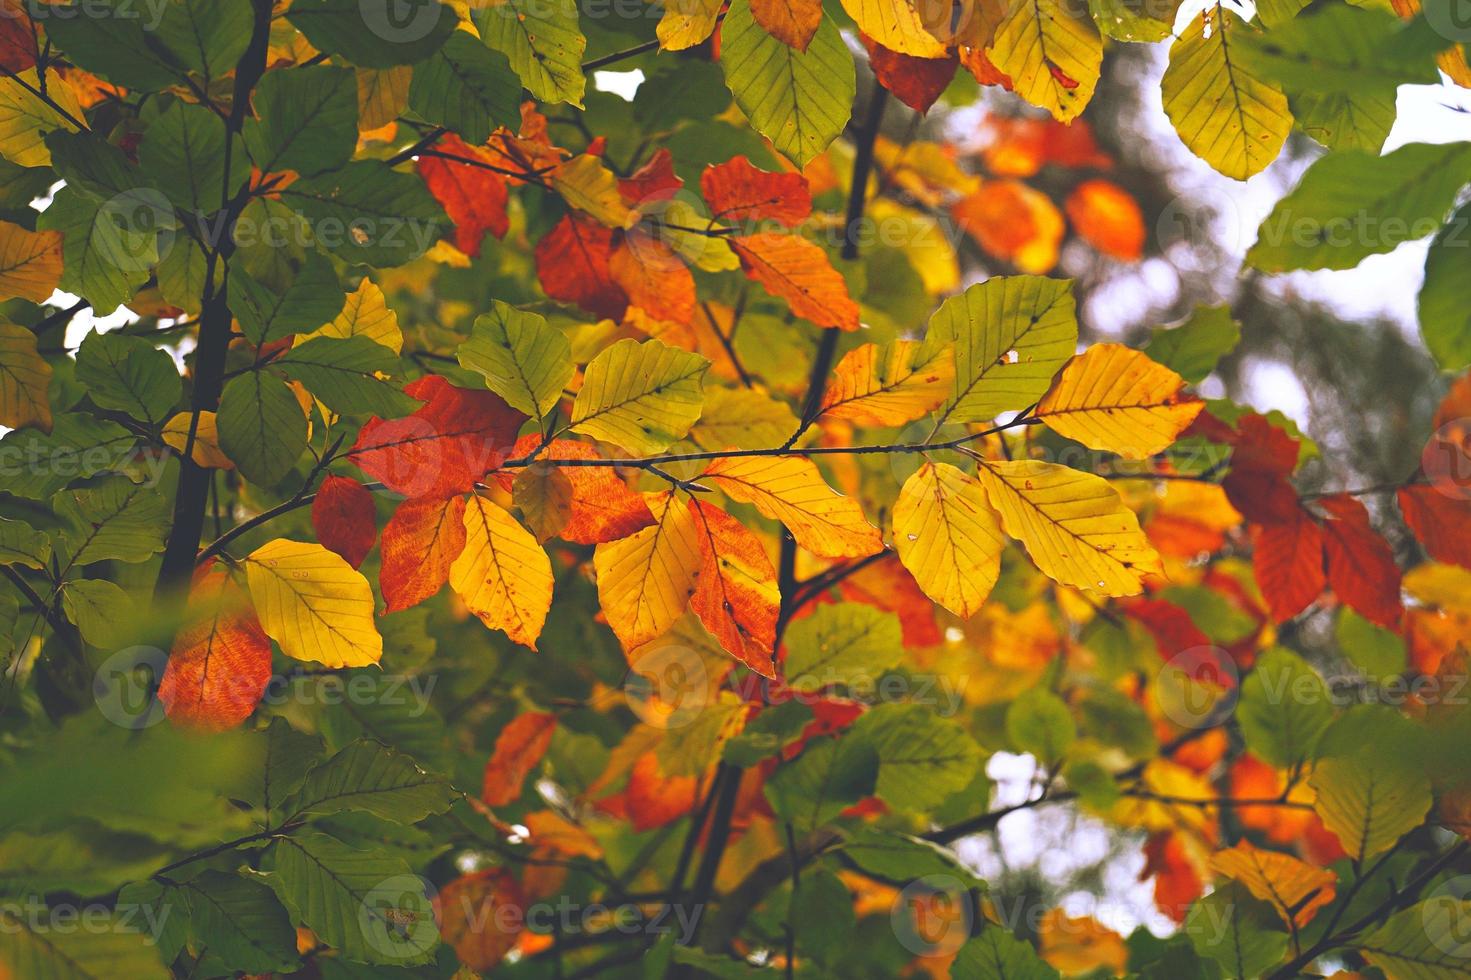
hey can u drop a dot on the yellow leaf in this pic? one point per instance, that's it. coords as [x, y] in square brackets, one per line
[646, 579]
[1052, 56]
[30, 262]
[365, 314]
[25, 119]
[743, 418]
[891, 384]
[924, 243]
[25, 378]
[503, 575]
[1166, 780]
[790, 489]
[207, 451]
[1080, 944]
[1073, 524]
[1114, 398]
[641, 396]
[383, 95]
[1294, 888]
[687, 23]
[314, 604]
[948, 537]
[589, 186]
[1231, 119]
[896, 25]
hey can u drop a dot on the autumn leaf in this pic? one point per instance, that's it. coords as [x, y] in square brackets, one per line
[420, 543]
[655, 279]
[739, 192]
[800, 273]
[572, 262]
[518, 749]
[30, 262]
[948, 537]
[25, 378]
[646, 579]
[890, 384]
[313, 604]
[641, 396]
[1361, 565]
[474, 197]
[1441, 522]
[345, 519]
[916, 81]
[793, 22]
[220, 663]
[1014, 223]
[1296, 889]
[790, 489]
[1288, 564]
[472, 914]
[1116, 399]
[604, 508]
[736, 594]
[1107, 218]
[502, 574]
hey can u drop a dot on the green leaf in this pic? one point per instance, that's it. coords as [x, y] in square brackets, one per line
[998, 955]
[1370, 780]
[1376, 652]
[1445, 298]
[101, 611]
[369, 213]
[307, 119]
[543, 43]
[267, 313]
[846, 643]
[829, 776]
[240, 924]
[369, 907]
[341, 372]
[373, 778]
[106, 248]
[182, 272]
[1195, 347]
[1351, 205]
[1230, 117]
[896, 857]
[1241, 933]
[94, 166]
[522, 359]
[800, 101]
[641, 396]
[467, 87]
[1110, 717]
[374, 33]
[104, 951]
[129, 375]
[1039, 722]
[207, 36]
[287, 756]
[1343, 49]
[1031, 315]
[79, 446]
[21, 544]
[184, 151]
[1285, 708]
[1361, 121]
[114, 519]
[1425, 942]
[113, 39]
[262, 427]
[923, 758]
[392, 710]
[1122, 22]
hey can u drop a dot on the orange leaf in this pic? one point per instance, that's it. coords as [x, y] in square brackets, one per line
[656, 280]
[1177, 883]
[917, 82]
[792, 22]
[653, 799]
[1289, 564]
[220, 663]
[473, 197]
[790, 489]
[736, 596]
[1107, 218]
[1361, 566]
[1014, 223]
[518, 749]
[572, 262]
[420, 542]
[1080, 944]
[737, 191]
[604, 508]
[481, 914]
[445, 447]
[800, 273]
[652, 183]
[1294, 888]
[1022, 146]
[345, 519]
[1442, 522]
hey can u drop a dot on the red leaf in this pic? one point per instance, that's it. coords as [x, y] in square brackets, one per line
[420, 543]
[1176, 882]
[221, 660]
[1173, 630]
[474, 198]
[1288, 563]
[1361, 565]
[481, 914]
[654, 182]
[737, 191]
[1263, 457]
[736, 597]
[445, 447]
[800, 273]
[17, 37]
[656, 280]
[572, 264]
[345, 519]
[604, 508]
[1441, 522]
[917, 82]
[518, 749]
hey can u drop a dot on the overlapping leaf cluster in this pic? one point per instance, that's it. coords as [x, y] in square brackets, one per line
[506, 496]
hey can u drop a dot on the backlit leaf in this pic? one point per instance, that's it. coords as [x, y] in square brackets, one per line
[948, 537]
[1114, 398]
[313, 604]
[502, 574]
